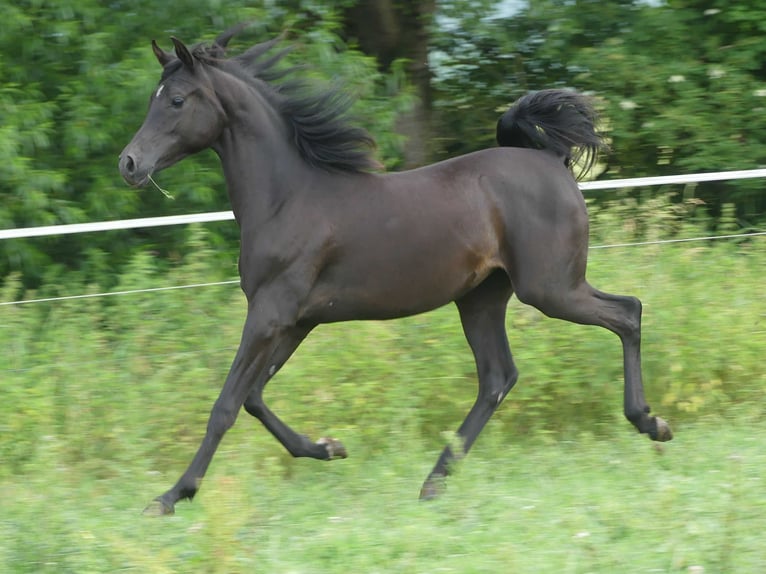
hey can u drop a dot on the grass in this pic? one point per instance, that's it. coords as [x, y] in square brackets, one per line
[104, 401]
[535, 506]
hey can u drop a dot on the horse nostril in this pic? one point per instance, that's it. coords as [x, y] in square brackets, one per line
[130, 164]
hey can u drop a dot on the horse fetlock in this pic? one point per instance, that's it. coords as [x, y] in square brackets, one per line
[433, 487]
[334, 448]
[638, 416]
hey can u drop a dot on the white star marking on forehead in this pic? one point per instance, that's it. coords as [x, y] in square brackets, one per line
[159, 90]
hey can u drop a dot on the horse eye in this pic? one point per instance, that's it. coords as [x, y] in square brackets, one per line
[177, 102]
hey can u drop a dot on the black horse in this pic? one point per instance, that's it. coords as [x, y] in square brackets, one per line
[325, 239]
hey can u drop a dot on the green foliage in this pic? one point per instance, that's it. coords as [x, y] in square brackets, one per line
[105, 399]
[681, 84]
[529, 506]
[74, 81]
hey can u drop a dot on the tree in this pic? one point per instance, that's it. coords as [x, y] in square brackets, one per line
[74, 81]
[394, 30]
[680, 85]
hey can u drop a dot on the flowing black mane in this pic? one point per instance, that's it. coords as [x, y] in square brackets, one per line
[319, 120]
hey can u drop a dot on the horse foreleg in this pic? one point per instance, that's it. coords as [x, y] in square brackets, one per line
[482, 313]
[250, 364]
[296, 444]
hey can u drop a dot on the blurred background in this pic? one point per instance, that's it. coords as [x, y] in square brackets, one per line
[680, 86]
[103, 399]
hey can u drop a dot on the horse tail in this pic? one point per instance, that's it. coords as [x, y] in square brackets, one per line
[559, 121]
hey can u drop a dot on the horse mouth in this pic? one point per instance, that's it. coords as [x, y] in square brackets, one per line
[132, 173]
[143, 182]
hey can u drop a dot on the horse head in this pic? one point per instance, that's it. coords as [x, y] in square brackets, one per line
[185, 115]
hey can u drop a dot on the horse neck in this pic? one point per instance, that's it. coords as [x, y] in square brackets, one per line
[260, 164]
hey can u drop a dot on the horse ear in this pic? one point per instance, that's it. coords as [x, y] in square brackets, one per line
[163, 57]
[183, 53]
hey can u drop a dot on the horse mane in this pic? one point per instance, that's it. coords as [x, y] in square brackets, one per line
[318, 118]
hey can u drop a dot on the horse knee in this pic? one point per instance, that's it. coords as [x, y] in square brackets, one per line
[222, 418]
[255, 407]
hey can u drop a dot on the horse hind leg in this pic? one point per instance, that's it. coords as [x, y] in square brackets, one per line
[620, 314]
[482, 313]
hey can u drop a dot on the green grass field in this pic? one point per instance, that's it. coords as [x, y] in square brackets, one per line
[104, 401]
[530, 506]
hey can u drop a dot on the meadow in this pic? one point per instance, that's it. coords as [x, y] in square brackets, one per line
[103, 402]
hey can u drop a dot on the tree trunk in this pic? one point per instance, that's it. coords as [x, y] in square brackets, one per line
[393, 29]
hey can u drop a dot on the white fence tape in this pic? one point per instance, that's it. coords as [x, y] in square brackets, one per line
[112, 225]
[50, 230]
[671, 179]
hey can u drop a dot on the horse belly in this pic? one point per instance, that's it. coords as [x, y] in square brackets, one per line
[410, 248]
[398, 284]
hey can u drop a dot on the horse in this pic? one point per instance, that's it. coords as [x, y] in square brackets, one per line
[326, 236]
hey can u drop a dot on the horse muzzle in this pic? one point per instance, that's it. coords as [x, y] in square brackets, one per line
[135, 172]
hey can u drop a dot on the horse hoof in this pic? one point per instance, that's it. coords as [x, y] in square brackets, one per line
[663, 432]
[433, 487]
[334, 448]
[157, 507]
